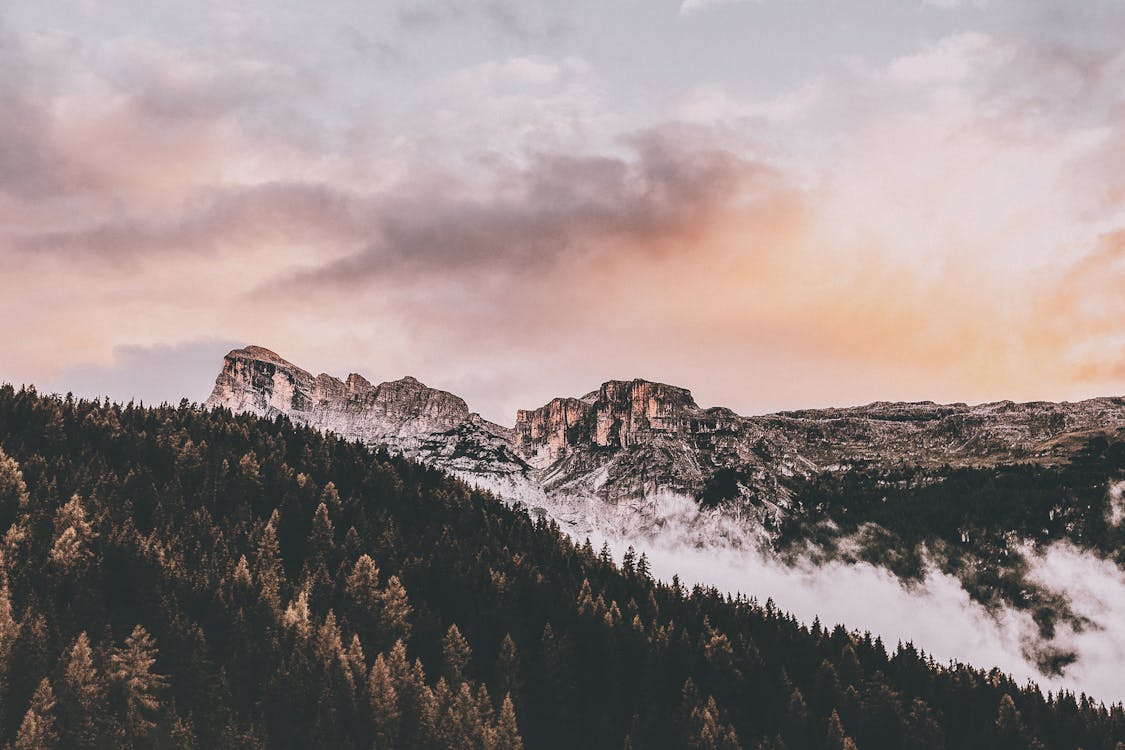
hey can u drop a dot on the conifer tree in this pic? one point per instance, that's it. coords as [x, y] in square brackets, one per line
[463, 726]
[705, 729]
[330, 497]
[297, 614]
[507, 730]
[81, 696]
[73, 536]
[13, 489]
[394, 611]
[37, 730]
[507, 680]
[835, 736]
[321, 538]
[9, 633]
[455, 655]
[268, 569]
[644, 570]
[629, 561]
[795, 723]
[362, 585]
[1010, 728]
[139, 687]
[384, 700]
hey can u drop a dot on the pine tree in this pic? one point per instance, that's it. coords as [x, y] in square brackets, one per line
[338, 689]
[507, 731]
[73, 536]
[37, 730]
[297, 614]
[384, 699]
[365, 602]
[321, 538]
[394, 611]
[268, 569]
[455, 655]
[9, 633]
[1011, 731]
[835, 736]
[705, 728]
[644, 570]
[795, 723]
[507, 680]
[362, 586]
[139, 687]
[81, 696]
[181, 731]
[629, 561]
[330, 497]
[13, 489]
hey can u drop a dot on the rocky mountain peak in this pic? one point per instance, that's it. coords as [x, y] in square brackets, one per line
[619, 414]
[631, 440]
[255, 379]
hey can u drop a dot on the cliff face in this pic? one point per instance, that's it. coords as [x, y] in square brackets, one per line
[399, 414]
[627, 443]
[620, 414]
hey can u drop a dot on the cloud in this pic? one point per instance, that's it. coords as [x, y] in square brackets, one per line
[713, 104]
[691, 6]
[504, 212]
[951, 59]
[509, 19]
[555, 208]
[953, 4]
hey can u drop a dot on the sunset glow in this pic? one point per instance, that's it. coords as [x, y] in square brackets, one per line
[935, 215]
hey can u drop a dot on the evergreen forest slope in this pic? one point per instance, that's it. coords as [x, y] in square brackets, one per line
[182, 578]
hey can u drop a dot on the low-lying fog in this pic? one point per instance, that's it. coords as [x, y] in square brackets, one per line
[937, 614]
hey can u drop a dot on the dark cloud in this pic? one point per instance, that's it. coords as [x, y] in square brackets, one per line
[285, 212]
[556, 208]
[29, 167]
[1065, 64]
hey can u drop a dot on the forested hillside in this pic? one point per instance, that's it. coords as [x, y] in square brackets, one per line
[182, 578]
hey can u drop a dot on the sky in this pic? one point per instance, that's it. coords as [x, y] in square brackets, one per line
[776, 203]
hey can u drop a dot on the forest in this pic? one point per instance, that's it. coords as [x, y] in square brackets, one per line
[173, 577]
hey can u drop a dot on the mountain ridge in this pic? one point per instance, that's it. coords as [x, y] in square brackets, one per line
[629, 442]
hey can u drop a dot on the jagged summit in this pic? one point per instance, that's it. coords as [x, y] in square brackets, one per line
[258, 380]
[633, 440]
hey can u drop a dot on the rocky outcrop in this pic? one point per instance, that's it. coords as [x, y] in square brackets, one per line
[631, 441]
[546, 434]
[401, 414]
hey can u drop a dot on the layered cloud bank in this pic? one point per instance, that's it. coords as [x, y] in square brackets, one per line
[942, 220]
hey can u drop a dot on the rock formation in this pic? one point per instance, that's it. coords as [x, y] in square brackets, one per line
[629, 442]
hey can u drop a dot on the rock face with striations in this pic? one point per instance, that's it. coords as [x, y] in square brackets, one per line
[626, 444]
[403, 415]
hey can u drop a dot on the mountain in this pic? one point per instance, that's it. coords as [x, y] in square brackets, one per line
[185, 578]
[617, 450]
[973, 492]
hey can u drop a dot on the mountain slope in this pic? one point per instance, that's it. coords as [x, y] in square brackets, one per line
[269, 572]
[970, 491]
